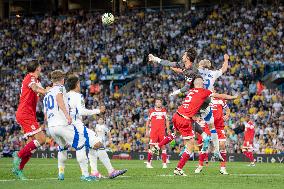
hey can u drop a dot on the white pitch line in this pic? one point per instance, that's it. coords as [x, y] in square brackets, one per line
[256, 174]
[28, 179]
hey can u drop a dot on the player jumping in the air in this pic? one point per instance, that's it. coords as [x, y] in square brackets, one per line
[209, 76]
[218, 106]
[187, 113]
[77, 110]
[26, 117]
[156, 125]
[189, 70]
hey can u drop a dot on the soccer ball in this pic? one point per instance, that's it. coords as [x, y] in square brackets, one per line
[107, 18]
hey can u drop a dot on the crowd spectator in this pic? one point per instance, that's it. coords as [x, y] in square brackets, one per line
[252, 36]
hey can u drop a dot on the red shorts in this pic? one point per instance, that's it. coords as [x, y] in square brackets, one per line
[157, 135]
[221, 135]
[183, 126]
[29, 124]
[248, 144]
[199, 137]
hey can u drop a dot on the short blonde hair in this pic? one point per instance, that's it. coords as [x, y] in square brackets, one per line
[205, 64]
[57, 75]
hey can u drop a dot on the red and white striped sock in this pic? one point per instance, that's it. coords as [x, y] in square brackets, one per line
[167, 140]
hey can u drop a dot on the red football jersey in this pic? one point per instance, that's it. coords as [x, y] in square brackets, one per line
[28, 98]
[193, 101]
[157, 118]
[249, 131]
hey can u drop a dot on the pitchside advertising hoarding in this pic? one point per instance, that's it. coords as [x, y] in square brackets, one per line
[260, 158]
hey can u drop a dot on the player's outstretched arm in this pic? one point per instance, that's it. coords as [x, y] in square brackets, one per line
[163, 62]
[62, 106]
[177, 70]
[224, 96]
[184, 89]
[226, 63]
[227, 115]
[82, 110]
[38, 89]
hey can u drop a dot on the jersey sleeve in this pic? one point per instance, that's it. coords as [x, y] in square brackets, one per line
[217, 73]
[224, 104]
[149, 115]
[80, 105]
[207, 93]
[31, 81]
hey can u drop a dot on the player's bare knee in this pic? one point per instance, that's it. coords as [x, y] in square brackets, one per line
[222, 146]
[40, 137]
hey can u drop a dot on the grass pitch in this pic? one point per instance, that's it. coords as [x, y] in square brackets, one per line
[42, 173]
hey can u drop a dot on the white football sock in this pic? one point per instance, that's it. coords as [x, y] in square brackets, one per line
[93, 157]
[62, 157]
[102, 154]
[215, 140]
[83, 161]
[204, 135]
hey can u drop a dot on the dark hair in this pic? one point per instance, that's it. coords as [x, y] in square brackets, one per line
[71, 82]
[159, 98]
[32, 66]
[193, 79]
[191, 54]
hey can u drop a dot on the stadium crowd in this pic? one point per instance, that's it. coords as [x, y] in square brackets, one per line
[253, 37]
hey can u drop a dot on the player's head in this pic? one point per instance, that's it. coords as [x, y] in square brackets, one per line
[158, 102]
[205, 64]
[73, 83]
[101, 120]
[34, 67]
[189, 57]
[198, 82]
[57, 76]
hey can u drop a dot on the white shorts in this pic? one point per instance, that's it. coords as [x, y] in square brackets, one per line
[91, 138]
[67, 135]
[207, 115]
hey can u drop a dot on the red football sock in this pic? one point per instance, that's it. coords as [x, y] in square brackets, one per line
[28, 148]
[24, 162]
[246, 154]
[164, 156]
[167, 140]
[250, 155]
[185, 156]
[224, 156]
[202, 157]
[206, 156]
[149, 156]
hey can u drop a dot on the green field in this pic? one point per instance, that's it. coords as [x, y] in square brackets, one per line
[42, 173]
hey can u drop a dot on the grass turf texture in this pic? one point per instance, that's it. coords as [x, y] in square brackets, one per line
[43, 174]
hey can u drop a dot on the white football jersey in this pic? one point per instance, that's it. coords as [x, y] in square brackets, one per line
[55, 116]
[101, 131]
[209, 77]
[77, 107]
